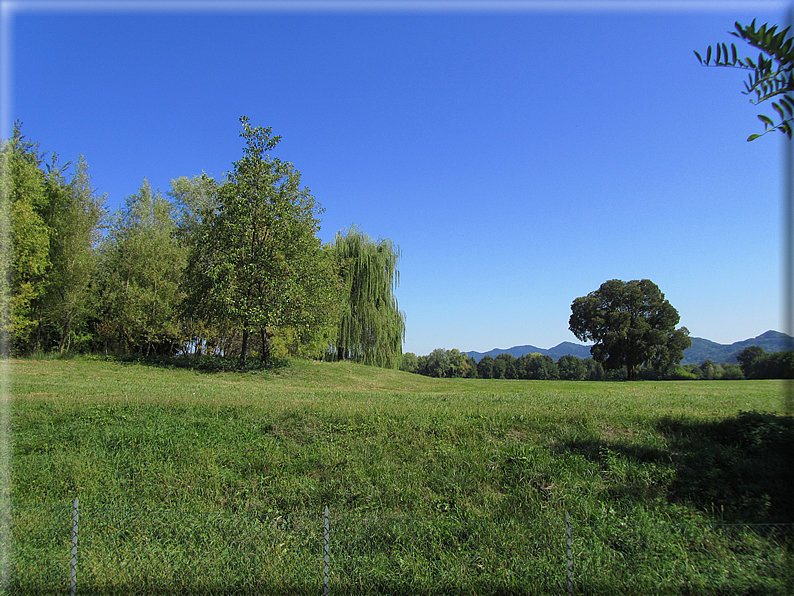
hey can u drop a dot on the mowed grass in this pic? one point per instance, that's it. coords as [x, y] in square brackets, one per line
[486, 467]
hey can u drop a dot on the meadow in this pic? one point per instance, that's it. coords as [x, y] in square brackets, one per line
[215, 483]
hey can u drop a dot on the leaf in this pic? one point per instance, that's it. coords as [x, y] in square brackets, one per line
[766, 120]
[708, 55]
[733, 51]
[752, 137]
[698, 55]
[779, 110]
[725, 53]
[719, 54]
[786, 102]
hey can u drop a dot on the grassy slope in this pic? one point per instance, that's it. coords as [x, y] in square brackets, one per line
[358, 436]
[370, 441]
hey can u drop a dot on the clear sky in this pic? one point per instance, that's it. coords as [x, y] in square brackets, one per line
[520, 153]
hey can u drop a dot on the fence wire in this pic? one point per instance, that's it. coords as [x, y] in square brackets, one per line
[170, 552]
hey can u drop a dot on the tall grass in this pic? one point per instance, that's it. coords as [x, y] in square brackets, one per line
[464, 469]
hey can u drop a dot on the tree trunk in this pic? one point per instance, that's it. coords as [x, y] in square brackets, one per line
[266, 346]
[244, 347]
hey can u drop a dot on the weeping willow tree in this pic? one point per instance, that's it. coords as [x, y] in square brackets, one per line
[372, 328]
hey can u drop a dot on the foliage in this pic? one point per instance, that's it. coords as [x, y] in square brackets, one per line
[26, 241]
[571, 368]
[194, 199]
[771, 76]
[409, 363]
[755, 363]
[50, 229]
[632, 324]
[485, 367]
[371, 328]
[141, 267]
[256, 264]
[443, 363]
[73, 215]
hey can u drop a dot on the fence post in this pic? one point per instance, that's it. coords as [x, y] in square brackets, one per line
[73, 586]
[570, 557]
[325, 552]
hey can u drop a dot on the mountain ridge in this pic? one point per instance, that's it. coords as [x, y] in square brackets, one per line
[701, 350]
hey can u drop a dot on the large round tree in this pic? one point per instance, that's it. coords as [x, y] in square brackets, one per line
[631, 324]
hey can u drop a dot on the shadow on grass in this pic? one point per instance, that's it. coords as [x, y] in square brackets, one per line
[206, 364]
[737, 470]
[740, 468]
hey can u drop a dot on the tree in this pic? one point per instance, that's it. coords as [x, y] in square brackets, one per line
[25, 240]
[571, 368]
[409, 363]
[632, 324]
[540, 367]
[73, 216]
[257, 264]
[772, 76]
[141, 266]
[595, 372]
[193, 200]
[748, 360]
[502, 365]
[371, 328]
[485, 367]
[709, 370]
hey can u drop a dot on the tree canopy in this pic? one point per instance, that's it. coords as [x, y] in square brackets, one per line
[372, 327]
[770, 76]
[256, 262]
[631, 324]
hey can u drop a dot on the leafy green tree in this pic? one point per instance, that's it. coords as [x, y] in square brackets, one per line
[749, 360]
[732, 372]
[142, 263]
[25, 240]
[194, 199]
[485, 367]
[771, 76]
[571, 368]
[631, 324]
[371, 328]
[73, 216]
[257, 264]
[459, 363]
[709, 370]
[438, 364]
[474, 373]
[694, 370]
[595, 372]
[503, 366]
[541, 368]
[409, 363]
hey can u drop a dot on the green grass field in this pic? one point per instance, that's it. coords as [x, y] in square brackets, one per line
[197, 483]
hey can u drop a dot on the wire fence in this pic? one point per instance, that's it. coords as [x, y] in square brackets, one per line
[108, 550]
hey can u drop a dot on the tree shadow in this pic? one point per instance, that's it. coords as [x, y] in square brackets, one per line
[205, 364]
[737, 470]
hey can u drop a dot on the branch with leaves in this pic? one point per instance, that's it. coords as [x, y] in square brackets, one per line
[770, 77]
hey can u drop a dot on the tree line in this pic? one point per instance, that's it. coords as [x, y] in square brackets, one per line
[754, 363]
[219, 267]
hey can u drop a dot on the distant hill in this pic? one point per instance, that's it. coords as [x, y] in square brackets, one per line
[704, 349]
[701, 350]
[557, 352]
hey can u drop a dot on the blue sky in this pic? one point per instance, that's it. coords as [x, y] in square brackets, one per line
[520, 154]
